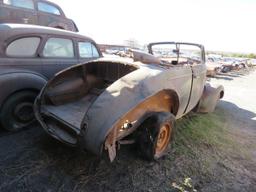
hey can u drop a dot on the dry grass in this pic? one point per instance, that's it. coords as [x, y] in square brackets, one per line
[198, 152]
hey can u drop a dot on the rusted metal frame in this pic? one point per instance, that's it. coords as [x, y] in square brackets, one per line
[180, 43]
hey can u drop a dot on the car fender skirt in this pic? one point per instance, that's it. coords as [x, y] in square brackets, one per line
[211, 95]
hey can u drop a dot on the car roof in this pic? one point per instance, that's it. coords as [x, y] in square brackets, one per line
[47, 1]
[9, 30]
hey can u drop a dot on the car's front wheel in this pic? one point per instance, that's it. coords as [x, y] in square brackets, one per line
[17, 111]
[155, 134]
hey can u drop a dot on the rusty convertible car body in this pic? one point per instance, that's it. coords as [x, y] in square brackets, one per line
[101, 104]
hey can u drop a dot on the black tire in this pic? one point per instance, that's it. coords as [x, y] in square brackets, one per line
[17, 111]
[149, 133]
[225, 69]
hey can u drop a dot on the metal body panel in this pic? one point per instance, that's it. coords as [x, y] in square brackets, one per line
[122, 96]
[211, 95]
[11, 14]
[28, 64]
[126, 93]
[131, 91]
[11, 30]
[199, 79]
[55, 21]
[51, 66]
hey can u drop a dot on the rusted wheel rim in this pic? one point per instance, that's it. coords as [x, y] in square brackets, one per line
[163, 139]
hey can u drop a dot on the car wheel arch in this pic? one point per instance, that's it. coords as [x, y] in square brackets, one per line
[30, 82]
[168, 95]
[21, 90]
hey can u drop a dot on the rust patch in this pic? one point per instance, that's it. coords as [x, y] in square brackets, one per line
[162, 101]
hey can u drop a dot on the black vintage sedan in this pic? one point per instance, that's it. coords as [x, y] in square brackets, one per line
[36, 12]
[29, 56]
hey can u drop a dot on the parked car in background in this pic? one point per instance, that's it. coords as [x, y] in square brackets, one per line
[37, 12]
[252, 62]
[213, 67]
[230, 63]
[29, 56]
[102, 104]
[242, 63]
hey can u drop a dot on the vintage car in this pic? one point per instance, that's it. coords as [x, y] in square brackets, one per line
[102, 104]
[229, 64]
[36, 12]
[252, 62]
[29, 56]
[213, 67]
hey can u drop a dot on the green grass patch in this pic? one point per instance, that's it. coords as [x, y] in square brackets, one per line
[205, 131]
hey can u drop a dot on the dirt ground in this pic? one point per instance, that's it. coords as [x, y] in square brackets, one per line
[216, 151]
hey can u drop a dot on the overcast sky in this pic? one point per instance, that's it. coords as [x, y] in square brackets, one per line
[221, 25]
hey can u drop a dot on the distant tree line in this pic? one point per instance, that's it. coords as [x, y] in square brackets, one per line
[242, 55]
[251, 55]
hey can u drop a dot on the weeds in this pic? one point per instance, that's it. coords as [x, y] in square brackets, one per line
[185, 186]
[207, 131]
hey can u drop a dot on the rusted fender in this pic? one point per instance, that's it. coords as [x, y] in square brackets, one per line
[211, 95]
[120, 98]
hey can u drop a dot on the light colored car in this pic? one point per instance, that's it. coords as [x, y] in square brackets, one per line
[105, 103]
[213, 67]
